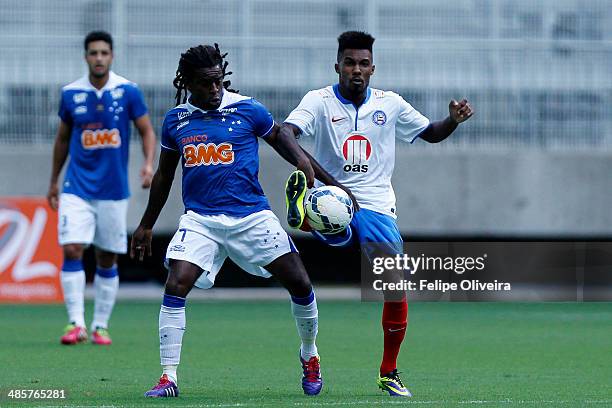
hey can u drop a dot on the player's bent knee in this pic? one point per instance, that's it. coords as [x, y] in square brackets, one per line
[178, 285]
[299, 285]
[298, 289]
[302, 289]
[181, 278]
[178, 288]
[106, 259]
[73, 251]
[290, 271]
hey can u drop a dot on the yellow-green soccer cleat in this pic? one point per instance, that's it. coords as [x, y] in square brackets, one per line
[392, 383]
[295, 190]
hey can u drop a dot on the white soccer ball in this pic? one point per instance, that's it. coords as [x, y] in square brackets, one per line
[329, 209]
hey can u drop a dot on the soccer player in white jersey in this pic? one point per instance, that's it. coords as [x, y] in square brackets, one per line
[214, 133]
[95, 113]
[355, 128]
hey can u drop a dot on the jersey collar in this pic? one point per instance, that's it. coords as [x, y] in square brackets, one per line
[114, 81]
[345, 101]
[224, 102]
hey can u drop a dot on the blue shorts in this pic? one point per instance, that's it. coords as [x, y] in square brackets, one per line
[374, 232]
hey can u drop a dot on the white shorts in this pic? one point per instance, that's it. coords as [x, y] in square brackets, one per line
[99, 222]
[251, 242]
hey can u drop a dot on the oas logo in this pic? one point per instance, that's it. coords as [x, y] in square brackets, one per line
[356, 150]
[379, 118]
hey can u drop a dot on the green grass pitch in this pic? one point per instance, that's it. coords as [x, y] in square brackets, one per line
[244, 354]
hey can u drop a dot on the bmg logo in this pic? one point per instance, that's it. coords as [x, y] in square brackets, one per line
[100, 139]
[207, 154]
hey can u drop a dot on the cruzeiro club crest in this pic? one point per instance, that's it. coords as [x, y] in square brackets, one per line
[379, 118]
[356, 150]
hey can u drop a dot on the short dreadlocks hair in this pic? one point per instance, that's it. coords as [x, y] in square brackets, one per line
[195, 58]
[356, 40]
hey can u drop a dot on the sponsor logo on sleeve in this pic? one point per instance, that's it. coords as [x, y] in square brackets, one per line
[182, 115]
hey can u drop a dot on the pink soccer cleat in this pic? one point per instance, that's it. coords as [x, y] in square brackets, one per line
[74, 335]
[165, 388]
[100, 336]
[311, 381]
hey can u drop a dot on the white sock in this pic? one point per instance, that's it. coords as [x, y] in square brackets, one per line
[170, 371]
[106, 285]
[73, 286]
[307, 322]
[171, 330]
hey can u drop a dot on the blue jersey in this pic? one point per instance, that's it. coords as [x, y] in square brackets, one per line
[219, 154]
[100, 136]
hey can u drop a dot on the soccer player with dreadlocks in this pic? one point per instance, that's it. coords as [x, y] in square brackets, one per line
[214, 132]
[354, 128]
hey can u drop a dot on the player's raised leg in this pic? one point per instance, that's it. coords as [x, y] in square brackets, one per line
[73, 286]
[290, 271]
[172, 324]
[106, 285]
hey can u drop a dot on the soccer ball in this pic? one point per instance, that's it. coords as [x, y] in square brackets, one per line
[329, 209]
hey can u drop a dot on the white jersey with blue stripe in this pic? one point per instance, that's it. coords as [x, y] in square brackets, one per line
[356, 145]
[219, 154]
[100, 136]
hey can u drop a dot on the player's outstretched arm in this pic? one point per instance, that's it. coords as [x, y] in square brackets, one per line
[145, 129]
[438, 131]
[319, 172]
[60, 153]
[160, 189]
[285, 144]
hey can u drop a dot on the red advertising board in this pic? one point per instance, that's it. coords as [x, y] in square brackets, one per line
[30, 256]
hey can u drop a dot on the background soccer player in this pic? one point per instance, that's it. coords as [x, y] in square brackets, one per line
[355, 128]
[215, 134]
[95, 113]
